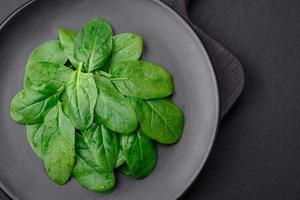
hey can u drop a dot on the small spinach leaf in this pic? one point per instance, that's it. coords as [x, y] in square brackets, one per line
[126, 47]
[112, 108]
[142, 79]
[80, 99]
[93, 44]
[50, 51]
[67, 39]
[35, 137]
[125, 170]
[88, 172]
[121, 157]
[46, 73]
[58, 145]
[30, 105]
[103, 145]
[160, 119]
[140, 154]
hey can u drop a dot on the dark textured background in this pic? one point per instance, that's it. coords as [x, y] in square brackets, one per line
[257, 151]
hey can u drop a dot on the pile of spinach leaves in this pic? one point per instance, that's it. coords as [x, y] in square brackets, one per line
[91, 105]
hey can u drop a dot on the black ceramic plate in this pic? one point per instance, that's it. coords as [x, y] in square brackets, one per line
[169, 41]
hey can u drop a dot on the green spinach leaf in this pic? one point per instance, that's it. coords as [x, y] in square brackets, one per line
[58, 145]
[160, 119]
[93, 44]
[50, 51]
[121, 157]
[67, 39]
[103, 145]
[112, 108]
[30, 105]
[87, 170]
[46, 73]
[35, 137]
[125, 170]
[140, 154]
[126, 47]
[80, 99]
[142, 79]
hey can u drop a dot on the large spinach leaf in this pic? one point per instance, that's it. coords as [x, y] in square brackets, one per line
[142, 79]
[58, 145]
[87, 170]
[35, 137]
[112, 108]
[93, 44]
[80, 98]
[67, 39]
[140, 154]
[126, 46]
[160, 119]
[30, 105]
[46, 73]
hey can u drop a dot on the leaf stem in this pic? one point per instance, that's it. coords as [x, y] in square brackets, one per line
[78, 75]
[80, 66]
[103, 73]
[61, 89]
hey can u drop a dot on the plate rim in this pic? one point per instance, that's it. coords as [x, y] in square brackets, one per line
[215, 85]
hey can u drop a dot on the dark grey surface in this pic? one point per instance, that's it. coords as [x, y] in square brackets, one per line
[256, 153]
[168, 41]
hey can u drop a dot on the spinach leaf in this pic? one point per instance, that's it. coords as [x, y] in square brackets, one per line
[142, 79]
[160, 119]
[125, 170]
[140, 154]
[93, 44]
[50, 51]
[126, 47]
[58, 145]
[80, 98]
[112, 108]
[30, 105]
[67, 39]
[35, 137]
[121, 157]
[87, 171]
[103, 145]
[46, 73]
